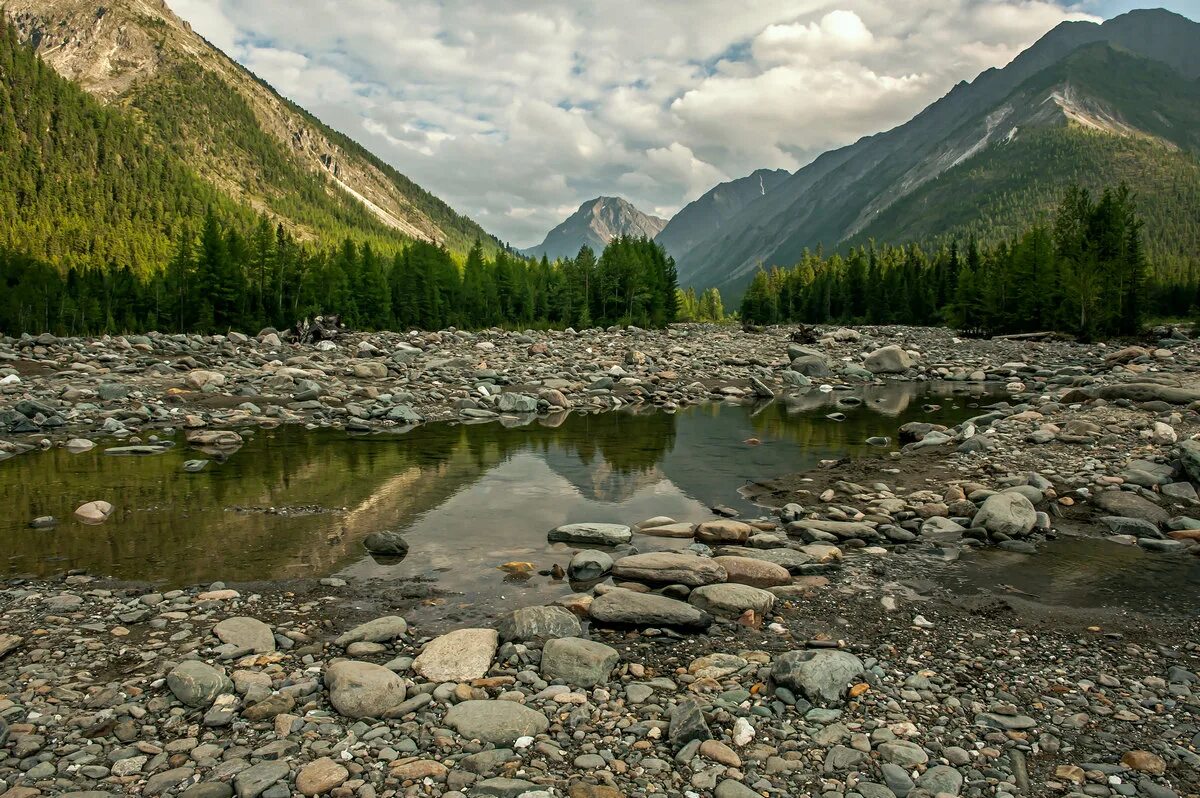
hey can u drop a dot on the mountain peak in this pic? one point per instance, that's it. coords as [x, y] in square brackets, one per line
[597, 222]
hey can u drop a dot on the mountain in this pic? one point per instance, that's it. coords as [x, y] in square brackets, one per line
[596, 223]
[191, 105]
[698, 219]
[1092, 103]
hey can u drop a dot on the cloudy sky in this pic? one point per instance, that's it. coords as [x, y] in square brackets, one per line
[515, 111]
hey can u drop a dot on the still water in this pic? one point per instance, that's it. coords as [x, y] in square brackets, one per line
[297, 503]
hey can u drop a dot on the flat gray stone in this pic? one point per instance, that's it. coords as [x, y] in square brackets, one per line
[498, 722]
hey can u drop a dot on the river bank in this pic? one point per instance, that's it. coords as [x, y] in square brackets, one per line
[811, 647]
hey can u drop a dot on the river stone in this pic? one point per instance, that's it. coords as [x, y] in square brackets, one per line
[626, 607]
[578, 662]
[1120, 525]
[669, 567]
[1189, 455]
[320, 776]
[843, 530]
[254, 780]
[731, 600]
[941, 780]
[363, 689]
[792, 560]
[672, 530]
[823, 675]
[459, 656]
[246, 633]
[369, 370]
[1148, 392]
[516, 403]
[198, 684]
[200, 379]
[497, 722]
[904, 753]
[687, 723]
[591, 534]
[723, 531]
[538, 623]
[754, 572]
[1008, 514]
[811, 365]
[380, 630]
[731, 788]
[1130, 505]
[386, 543]
[589, 565]
[888, 360]
[96, 512]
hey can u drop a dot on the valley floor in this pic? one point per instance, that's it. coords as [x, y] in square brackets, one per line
[821, 649]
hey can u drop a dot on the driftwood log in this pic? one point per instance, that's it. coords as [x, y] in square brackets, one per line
[322, 328]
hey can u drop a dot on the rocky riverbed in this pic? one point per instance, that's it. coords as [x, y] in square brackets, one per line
[808, 651]
[132, 386]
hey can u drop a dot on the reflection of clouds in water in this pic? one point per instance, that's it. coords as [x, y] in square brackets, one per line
[456, 491]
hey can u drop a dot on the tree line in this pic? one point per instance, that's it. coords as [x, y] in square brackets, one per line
[1085, 274]
[221, 278]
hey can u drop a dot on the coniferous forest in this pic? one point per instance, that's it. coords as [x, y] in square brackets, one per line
[1086, 274]
[222, 279]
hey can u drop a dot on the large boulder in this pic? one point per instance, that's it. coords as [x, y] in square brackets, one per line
[754, 572]
[591, 534]
[731, 600]
[669, 567]
[629, 608]
[1189, 454]
[497, 722]
[386, 543]
[246, 633]
[459, 656]
[362, 689]
[888, 360]
[516, 403]
[200, 379]
[1130, 505]
[821, 675]
[198, 684]
[1009, 514]
[792, 560]
[538, 623]
[811, 365]
[578, 662]
[379, 630]
[723, 531]
[589, 565]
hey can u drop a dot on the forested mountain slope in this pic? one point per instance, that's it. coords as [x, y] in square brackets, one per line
[1113, 99]
[198, 108]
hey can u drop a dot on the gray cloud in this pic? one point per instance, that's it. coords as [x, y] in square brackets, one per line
[514, 113]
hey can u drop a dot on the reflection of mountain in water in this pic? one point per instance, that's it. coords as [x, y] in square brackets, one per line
[611, 457]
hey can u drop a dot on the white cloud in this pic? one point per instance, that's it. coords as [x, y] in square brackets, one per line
[516, 112]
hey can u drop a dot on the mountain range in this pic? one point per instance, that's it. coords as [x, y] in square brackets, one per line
[1088, 103]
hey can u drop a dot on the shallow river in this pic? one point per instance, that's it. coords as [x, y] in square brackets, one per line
[296, 503]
